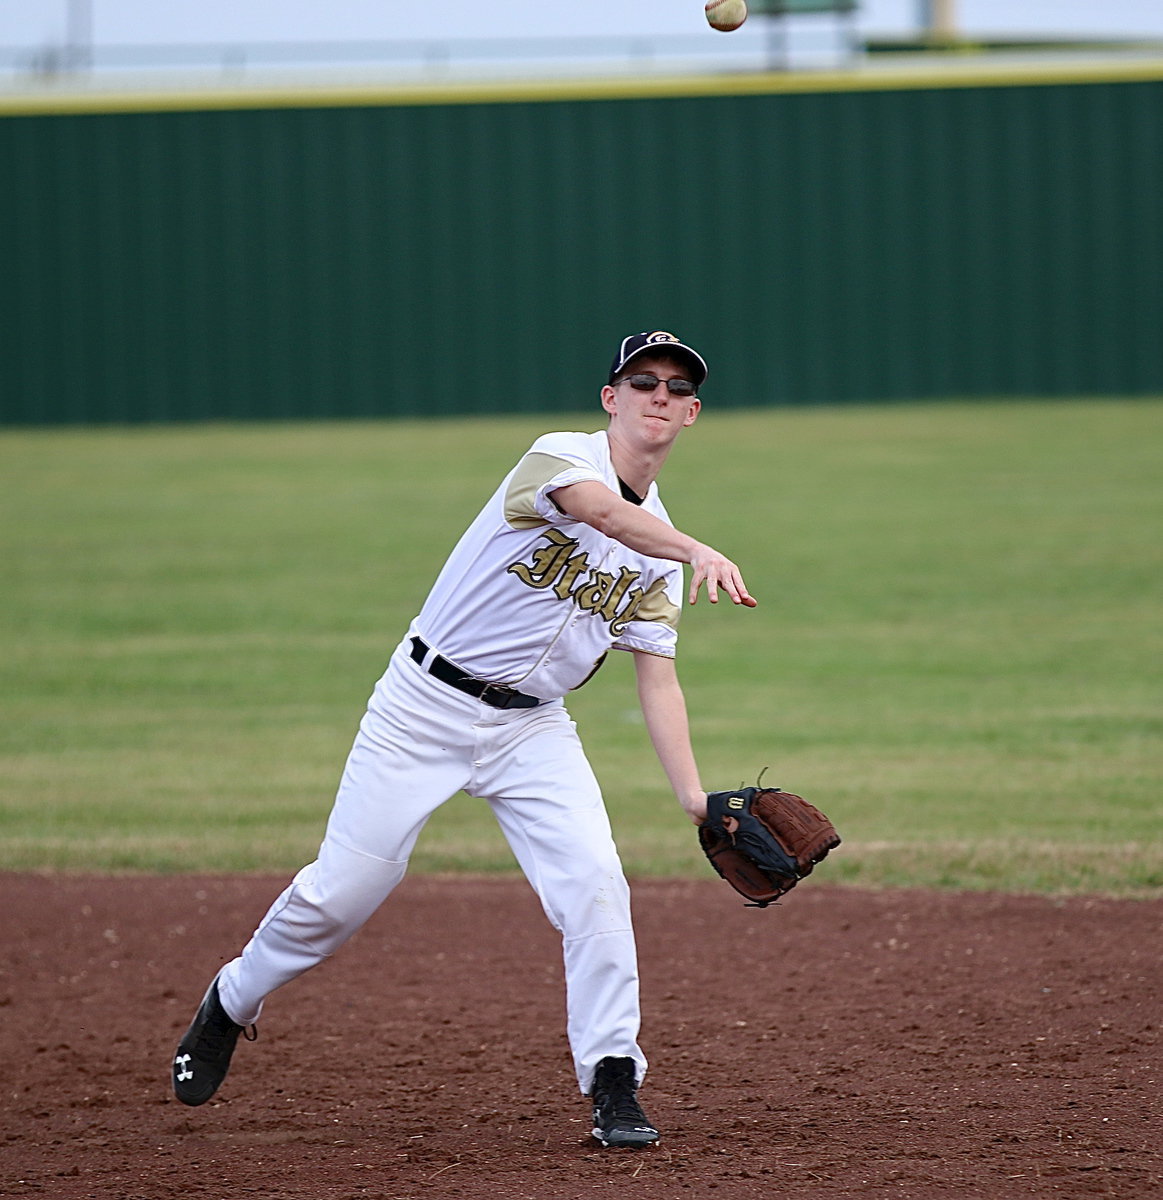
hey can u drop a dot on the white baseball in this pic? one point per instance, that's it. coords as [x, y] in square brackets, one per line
[725, 15]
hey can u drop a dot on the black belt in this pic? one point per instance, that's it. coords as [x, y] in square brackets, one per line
[498, 695]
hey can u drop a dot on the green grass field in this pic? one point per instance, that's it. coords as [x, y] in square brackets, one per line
[958, 650]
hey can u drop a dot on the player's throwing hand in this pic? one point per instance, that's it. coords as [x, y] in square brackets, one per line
[717, 571]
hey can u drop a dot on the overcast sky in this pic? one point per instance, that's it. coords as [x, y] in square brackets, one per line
[123, 22]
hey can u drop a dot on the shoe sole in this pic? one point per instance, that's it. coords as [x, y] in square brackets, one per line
[629, 1139]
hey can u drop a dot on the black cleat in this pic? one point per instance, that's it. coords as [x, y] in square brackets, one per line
[618, 1117]
[203, 1056]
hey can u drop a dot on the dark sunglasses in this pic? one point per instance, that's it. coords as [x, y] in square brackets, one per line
[647, 383]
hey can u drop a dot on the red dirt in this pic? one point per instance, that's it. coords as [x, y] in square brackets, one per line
[848, 1043]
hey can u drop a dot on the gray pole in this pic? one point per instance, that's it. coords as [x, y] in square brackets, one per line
[79, 33]
[939, 18]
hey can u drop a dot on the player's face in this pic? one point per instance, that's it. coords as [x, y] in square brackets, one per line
[656, 414]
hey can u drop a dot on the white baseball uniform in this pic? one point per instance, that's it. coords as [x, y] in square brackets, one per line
[530, 599]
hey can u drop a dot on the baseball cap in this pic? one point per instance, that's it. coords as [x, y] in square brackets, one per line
[644, 343]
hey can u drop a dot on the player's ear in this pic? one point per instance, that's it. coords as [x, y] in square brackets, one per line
[609, 399]
[692, 412]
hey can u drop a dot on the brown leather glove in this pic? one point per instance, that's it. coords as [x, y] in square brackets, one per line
[763, 841]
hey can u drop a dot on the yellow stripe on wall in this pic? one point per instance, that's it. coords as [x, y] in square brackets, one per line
[880, 78]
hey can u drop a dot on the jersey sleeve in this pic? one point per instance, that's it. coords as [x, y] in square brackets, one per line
[653, 625]
[553, 461]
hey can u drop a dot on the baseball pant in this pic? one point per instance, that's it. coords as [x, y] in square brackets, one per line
[419, 743]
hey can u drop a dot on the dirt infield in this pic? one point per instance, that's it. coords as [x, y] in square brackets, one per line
[848, 1043]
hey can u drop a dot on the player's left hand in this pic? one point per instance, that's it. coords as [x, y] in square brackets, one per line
[717, 571]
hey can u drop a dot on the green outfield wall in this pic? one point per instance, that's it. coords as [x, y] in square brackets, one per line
[824, 239]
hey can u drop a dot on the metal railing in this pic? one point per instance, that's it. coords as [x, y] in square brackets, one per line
[758, 46]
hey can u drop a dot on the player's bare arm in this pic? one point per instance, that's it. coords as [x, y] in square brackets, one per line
[664, 709]
[598, 506]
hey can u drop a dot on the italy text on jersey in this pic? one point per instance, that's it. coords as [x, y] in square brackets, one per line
[565, 569]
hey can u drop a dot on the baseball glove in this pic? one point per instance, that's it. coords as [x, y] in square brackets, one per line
[763, 841]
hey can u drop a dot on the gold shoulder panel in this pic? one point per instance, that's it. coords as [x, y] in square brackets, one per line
[532, 473]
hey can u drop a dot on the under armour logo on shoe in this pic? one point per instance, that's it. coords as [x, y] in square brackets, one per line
[182, 1062]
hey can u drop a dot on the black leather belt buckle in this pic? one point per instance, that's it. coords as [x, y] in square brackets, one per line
[500, 696]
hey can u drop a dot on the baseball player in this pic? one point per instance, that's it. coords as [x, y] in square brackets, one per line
[573, 555]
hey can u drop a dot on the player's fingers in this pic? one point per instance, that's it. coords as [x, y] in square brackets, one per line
[740, 594]
[696, 583]
[732, 582]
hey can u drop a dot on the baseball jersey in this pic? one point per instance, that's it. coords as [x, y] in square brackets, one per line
[533, 598]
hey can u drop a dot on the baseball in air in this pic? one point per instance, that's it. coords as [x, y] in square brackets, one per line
[725, 15]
